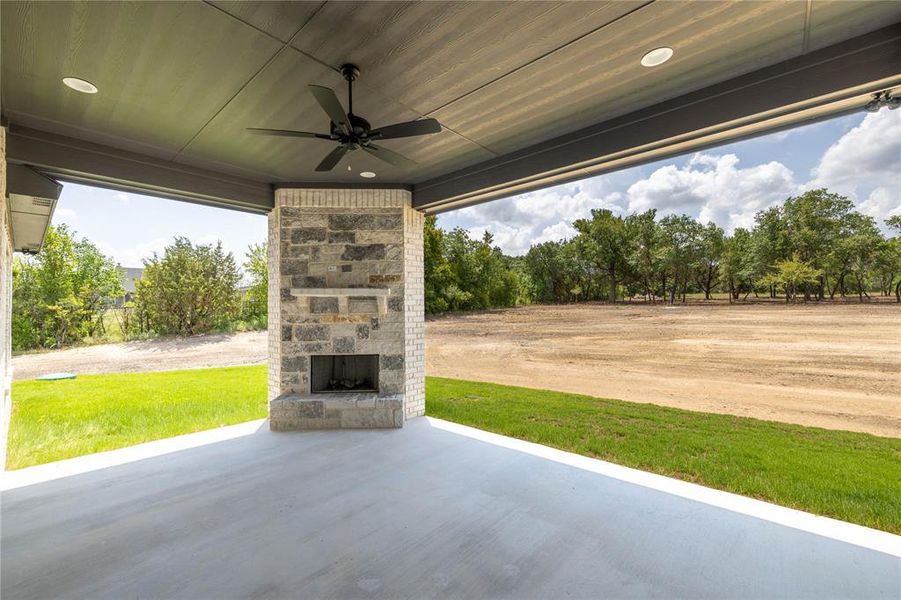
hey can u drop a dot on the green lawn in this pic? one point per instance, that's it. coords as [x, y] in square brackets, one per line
[53, 420]
[850, 476]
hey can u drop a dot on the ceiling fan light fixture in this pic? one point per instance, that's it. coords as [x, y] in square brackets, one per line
[367, 174]
[657, 56]
[80, 85]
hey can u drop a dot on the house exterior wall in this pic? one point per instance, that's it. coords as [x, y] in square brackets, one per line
[341, 241]
[6, 259]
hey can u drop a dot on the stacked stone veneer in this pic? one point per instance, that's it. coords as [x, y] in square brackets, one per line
[345, 238]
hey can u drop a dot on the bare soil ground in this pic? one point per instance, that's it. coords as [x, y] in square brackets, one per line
[216, 350]
[834, 366]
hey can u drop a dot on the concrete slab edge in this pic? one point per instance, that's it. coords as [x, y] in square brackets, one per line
[11, 480]
[873, 539]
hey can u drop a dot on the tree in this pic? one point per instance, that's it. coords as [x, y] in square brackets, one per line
[606, 241]
[638, 255]
[646, 253]
[547, 272]
[892, 257]
[189, 289]
[61, 294]
[793, 275]
[738, 264]
[815, 221]
[435, 266]
[770, 244]
[711, 244]
[257, 269]
[852, 252]
[96, 283]
[125, 318]
[863, 246]
[462, 273]
[680, 242]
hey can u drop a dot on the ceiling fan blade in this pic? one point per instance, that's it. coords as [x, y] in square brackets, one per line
[332, 158]
[408, 129]
[287, 133]
[389, 156]
[331, 105]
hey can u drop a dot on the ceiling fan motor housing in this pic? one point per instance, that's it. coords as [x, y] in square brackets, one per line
[360, 129]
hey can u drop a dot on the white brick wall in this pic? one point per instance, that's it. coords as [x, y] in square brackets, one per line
[274, 305]
[414, 314]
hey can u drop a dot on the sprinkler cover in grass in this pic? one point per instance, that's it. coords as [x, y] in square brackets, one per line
[56, 376]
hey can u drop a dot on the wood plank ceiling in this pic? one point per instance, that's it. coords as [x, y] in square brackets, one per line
[182, 80]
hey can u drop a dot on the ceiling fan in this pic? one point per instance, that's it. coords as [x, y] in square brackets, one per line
[353, 132]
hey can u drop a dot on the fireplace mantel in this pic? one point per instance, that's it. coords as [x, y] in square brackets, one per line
[380, 294]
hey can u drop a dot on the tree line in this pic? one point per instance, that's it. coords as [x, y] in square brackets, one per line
[70, 292]
[813, 247]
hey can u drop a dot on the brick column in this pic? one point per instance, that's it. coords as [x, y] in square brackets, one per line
[327, 248]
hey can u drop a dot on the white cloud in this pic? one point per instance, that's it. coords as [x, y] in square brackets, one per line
[713, 188]
[709, 187]
[540, 216]
[881, 204]
[868, 155]
[864, 163]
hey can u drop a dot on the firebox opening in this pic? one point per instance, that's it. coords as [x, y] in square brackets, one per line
[344, 373]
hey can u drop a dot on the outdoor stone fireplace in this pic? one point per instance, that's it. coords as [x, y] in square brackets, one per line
[346, 309]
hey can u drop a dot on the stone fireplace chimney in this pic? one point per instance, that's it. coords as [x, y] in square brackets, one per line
[346, 330]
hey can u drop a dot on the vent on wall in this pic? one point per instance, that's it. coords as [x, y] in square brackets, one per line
[32, 200]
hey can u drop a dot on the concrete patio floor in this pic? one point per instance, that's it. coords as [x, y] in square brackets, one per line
[431, 510]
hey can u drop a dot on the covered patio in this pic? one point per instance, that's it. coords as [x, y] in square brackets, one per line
[431, 510]
[523, 95]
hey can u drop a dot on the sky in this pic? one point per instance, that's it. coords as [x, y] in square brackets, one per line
[858, 155]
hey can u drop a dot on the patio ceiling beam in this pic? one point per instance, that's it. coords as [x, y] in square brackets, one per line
[69, 159]
[819, 85]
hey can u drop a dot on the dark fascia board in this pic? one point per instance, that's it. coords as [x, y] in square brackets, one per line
[704, 118]
[74, 160]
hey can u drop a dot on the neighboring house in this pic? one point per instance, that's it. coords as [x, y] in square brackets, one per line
[130, 275]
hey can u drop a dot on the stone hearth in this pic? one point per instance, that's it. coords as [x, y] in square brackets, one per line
[345, 279]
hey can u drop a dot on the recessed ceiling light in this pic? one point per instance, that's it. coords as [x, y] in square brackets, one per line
[657, 56]
[80, 85]
[367, 174]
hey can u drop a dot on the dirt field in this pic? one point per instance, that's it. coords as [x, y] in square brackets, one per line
[150, 355]
[830, 366]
